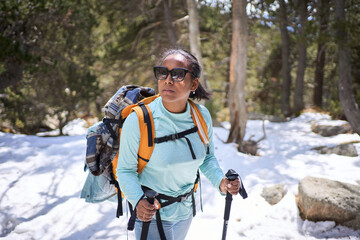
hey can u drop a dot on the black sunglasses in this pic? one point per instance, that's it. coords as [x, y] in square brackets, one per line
[177, 74]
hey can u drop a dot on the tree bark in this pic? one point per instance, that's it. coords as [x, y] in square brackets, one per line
[238, 62]
[323, 8]
[285, 57]
[299, 84]
[347, 100]
[194, 38]
[170, 29]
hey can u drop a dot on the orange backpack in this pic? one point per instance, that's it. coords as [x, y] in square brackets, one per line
[147, 136]
[147, 130]
[100, 157]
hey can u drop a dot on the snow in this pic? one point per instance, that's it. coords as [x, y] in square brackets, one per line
[41, 179]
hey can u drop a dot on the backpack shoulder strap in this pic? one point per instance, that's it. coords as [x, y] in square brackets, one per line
[149, 99]
[147, 131]
[199, 122]
[147, 134]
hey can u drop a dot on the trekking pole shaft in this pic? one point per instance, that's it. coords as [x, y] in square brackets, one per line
[224, 230]
[231, 176]
[227, 206]
[226, 214]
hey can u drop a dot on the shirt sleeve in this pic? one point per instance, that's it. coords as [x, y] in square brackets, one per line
[126, 170]
[210, 167]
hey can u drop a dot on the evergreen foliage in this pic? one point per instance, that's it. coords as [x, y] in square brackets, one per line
[63, 59]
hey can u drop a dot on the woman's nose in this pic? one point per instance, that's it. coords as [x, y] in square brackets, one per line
[168, 79]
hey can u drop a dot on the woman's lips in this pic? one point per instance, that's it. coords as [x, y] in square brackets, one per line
[167, 91]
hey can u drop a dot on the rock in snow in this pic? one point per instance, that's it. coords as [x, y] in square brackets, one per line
[274, 194]
[347, 149]
[322, 199]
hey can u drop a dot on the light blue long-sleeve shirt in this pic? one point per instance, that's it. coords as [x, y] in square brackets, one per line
[171, 169]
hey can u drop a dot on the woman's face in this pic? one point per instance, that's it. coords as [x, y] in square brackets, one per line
[175, 94]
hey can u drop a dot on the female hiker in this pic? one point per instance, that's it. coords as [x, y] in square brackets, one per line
[174, 163]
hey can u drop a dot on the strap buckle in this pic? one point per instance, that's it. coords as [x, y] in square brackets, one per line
[185, 196]
[174, 136]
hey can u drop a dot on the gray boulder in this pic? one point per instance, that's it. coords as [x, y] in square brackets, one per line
[347, 149]
[328, 131]
[274, 194]
[322, 199]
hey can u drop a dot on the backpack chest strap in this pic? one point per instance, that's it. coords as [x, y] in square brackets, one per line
[175, 136]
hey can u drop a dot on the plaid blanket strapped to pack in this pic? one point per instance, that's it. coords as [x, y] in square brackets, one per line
[102, 138]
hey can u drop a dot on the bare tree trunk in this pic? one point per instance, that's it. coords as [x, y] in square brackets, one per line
[347, 101]
[238, 61]
[299, 84]
[285, 57]
[194, 37]
[323, 9]
[170, 29]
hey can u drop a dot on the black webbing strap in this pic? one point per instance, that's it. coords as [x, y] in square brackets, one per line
[160, 226]
[131, 223]
[170, 200]
[198, 180]
[145, 230]
[173, 137]
[190, 147]
[119, 210]
[107, 122]
[114, 120]
[148, 122]
[146, 225]
[193, 203]
[146, 160]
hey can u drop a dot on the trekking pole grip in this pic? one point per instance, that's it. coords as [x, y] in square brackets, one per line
[231, 176]
[150, 197]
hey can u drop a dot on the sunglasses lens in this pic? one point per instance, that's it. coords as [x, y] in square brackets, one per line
[161, 73]
[178, 74]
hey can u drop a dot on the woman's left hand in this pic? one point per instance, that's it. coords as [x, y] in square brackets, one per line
[232, 187]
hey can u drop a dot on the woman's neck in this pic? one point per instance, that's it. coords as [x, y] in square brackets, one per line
[175, 107]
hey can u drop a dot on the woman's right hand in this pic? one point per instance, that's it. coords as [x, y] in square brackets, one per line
[145, 211]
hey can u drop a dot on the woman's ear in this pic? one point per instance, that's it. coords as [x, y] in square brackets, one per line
[194, 84]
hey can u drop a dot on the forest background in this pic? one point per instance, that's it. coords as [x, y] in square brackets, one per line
[61, 60]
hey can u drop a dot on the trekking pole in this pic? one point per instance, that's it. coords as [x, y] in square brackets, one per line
[150, 196]
[231, 176]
